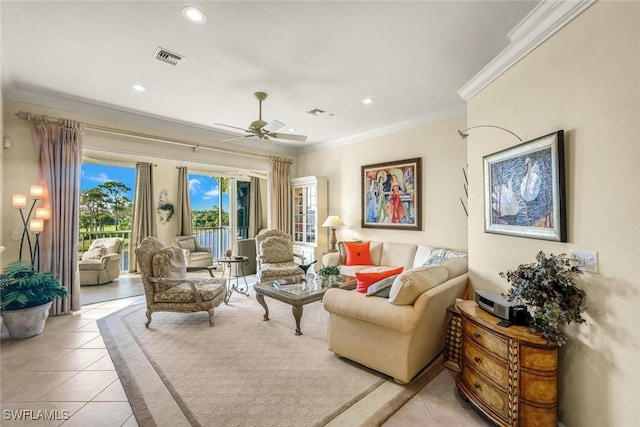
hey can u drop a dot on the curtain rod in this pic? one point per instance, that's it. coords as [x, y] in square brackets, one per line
[112, 131]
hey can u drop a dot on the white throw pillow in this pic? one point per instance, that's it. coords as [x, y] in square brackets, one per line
[94, 254]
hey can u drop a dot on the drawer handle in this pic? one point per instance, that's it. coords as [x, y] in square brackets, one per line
[476, 386]
[477, 359]
[476, 335]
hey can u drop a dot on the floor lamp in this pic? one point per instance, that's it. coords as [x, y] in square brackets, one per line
[35, 225]
[333, 222]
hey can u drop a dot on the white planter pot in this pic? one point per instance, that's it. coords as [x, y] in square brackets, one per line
[27, 322]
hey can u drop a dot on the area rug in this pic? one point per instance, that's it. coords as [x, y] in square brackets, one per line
[124, 287]
[242, 372]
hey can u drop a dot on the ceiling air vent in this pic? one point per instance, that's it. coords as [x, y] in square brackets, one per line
[169, 57]
[316, 112]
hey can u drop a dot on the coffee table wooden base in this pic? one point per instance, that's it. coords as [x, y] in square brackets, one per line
[295, 300]
[296, 309]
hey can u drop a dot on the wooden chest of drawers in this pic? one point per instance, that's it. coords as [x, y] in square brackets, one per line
[508, 374]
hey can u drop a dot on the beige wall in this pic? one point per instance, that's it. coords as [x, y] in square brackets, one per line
[20, 163]
[585, 80]
[443, 156]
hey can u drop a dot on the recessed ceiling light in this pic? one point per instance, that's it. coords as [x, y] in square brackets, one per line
[368, 101]
[193, 14]
[138, 87]
[291, 130]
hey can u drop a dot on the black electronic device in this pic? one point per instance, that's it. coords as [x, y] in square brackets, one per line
[499, 306]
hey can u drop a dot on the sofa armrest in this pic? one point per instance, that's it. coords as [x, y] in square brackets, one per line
[111, 258]
[331, 259]
[202, 248]
[374, 310]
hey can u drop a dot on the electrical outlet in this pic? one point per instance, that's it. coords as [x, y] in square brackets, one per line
[16, 235]
[587, 260]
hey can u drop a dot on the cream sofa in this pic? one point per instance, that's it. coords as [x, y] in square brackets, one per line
[397, 340]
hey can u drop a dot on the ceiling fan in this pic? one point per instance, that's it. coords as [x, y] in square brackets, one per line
[261, 129]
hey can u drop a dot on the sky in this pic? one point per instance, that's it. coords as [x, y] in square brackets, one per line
[203, 190]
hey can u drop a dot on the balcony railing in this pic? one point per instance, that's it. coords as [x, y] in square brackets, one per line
[216, 238]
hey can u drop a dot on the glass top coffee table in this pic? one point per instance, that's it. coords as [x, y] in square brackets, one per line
[297, 294]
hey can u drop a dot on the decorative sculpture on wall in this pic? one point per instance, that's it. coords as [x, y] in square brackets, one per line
[165, 208]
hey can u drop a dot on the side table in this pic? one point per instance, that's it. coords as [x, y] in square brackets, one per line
[227, 262]
[453, 340]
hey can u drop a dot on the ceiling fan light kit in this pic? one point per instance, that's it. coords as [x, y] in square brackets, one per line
[262, 130]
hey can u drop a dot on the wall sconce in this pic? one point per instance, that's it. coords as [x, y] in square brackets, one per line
[333, 222]
[464, 135]
[35, 225]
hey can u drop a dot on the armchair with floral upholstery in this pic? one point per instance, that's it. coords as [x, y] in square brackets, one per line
[166, 286]
[275, 257]
[195, 255]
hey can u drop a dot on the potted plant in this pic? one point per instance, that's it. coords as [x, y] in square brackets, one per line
[548, 291]
[331, 274]
[25, 298]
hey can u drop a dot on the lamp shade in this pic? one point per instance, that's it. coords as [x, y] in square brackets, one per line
[36, 225]
[36, 191]
[43, 213]
[333, 221]
[19, 200]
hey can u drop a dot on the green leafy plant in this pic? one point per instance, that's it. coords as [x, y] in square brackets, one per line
[22, 287]
[329, 271]
[548, 291]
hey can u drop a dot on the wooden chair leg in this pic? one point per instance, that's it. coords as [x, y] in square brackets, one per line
[211, 317]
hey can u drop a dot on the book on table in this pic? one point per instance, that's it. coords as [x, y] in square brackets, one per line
[284, 283]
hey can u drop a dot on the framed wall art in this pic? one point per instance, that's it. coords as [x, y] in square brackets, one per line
[524, 192]
[391, 195]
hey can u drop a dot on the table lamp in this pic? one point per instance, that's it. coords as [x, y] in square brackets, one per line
[333, 222]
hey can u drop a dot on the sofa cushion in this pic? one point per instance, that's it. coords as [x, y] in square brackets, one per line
[398, 254]
[169, 263]
[456, 266]
[408, 286]
[381, 288]
[435, 260]
[423, 253]
[366, 279]
[94, 254]
[357, 253]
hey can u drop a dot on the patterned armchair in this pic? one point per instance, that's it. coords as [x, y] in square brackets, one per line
[275, 257]
[166, 286]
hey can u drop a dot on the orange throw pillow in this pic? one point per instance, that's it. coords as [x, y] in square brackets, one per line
[367, 279]
[357, 253]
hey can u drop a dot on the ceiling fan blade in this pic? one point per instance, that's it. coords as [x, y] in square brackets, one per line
[237, 137]
[273, 125]
[289, 136]
[232, 127]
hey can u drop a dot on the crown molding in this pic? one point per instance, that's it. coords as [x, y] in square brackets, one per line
[60, 101]
[388, 130]
[541, 23]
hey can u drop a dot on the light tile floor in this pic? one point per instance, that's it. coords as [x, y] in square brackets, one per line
[66, 374]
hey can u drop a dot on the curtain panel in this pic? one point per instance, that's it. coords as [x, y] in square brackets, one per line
[183, 204]
[281, 194]
[59, 148]
[144, 220]
[255, 208]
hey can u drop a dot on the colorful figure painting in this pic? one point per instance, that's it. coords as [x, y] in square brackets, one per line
[391, 196]
[524, 189]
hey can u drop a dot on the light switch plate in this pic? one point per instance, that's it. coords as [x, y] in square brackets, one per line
[587, 260]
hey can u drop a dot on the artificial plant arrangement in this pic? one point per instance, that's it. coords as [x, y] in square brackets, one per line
[548, 291]
[329, 271]
[21, 286]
